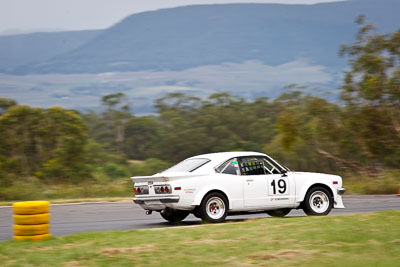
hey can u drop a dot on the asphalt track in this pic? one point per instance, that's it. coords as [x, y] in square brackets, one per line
[90, 217]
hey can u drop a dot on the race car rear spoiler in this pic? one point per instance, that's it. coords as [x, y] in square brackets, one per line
[164, 177]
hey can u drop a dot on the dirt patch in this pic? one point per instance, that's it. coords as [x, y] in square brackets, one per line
[74, 264]
[338, 244]
[117, 251]
[208, 241]
[40, 249]
[251, 219]
[374, 242]
[280, 254]
[72, 245]
[284, 225]
[284, 241]
[365, 217]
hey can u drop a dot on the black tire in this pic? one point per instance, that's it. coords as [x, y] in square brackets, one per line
[278, 213]
[318, 202]
[214, 208]
[196, 212]
[174, 216]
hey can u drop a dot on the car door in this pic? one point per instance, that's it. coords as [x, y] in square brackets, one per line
[281, 185]
[229, 178]
[265, 184]
[255, 186]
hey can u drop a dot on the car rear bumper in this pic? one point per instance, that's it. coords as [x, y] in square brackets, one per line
[156, 199]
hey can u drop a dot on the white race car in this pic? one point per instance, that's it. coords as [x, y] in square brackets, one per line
[212, 186]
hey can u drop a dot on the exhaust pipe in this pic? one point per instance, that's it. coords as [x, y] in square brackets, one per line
[148, 212]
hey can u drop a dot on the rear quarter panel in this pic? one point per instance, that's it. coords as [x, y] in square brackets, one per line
[230, 185]
[196, 188]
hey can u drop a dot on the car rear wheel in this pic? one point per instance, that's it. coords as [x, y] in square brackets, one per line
[174, 216]
[278, 213]
[318, 202]
[214, 208]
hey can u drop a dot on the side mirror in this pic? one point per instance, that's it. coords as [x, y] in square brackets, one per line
[284, 173]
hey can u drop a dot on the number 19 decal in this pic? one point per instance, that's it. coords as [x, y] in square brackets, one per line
[278, 186]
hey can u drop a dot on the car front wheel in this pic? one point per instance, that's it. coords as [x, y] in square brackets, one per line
[174, 216]
[214, 208]
[318, 202]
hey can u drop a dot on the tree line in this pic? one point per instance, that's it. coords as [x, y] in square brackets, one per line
[360, 132]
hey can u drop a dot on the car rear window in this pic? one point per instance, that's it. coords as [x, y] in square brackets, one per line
[188, 165]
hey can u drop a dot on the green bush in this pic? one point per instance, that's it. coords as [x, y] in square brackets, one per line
[114, 170]
[387, 183]
[23, 190]
[148, 167]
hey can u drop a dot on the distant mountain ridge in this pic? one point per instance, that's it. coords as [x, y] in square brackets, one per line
[192, 36]
[21, 49]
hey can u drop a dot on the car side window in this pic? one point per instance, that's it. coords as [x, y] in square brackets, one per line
[252, 166]
[229, 167]
[270, 167]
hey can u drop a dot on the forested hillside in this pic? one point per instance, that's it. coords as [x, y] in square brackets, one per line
[358, 137]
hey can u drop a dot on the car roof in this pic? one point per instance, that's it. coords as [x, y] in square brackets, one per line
[220, 156]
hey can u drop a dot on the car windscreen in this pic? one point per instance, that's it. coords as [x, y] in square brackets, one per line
[187, 165]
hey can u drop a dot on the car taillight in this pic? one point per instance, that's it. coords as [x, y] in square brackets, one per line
[162, 189]
[141, 190]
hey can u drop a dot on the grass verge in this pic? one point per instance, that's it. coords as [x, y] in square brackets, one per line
[78, 200]
[386, 183]
[371, 239]
[34, 190]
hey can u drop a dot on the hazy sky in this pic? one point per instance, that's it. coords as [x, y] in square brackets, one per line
[30, 15]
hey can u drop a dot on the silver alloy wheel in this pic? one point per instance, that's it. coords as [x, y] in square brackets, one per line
[319, 202]
[215, 208]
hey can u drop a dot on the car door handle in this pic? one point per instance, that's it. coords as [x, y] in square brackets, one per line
[249, 180]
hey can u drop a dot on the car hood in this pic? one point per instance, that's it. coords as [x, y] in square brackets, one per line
[316, 174]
